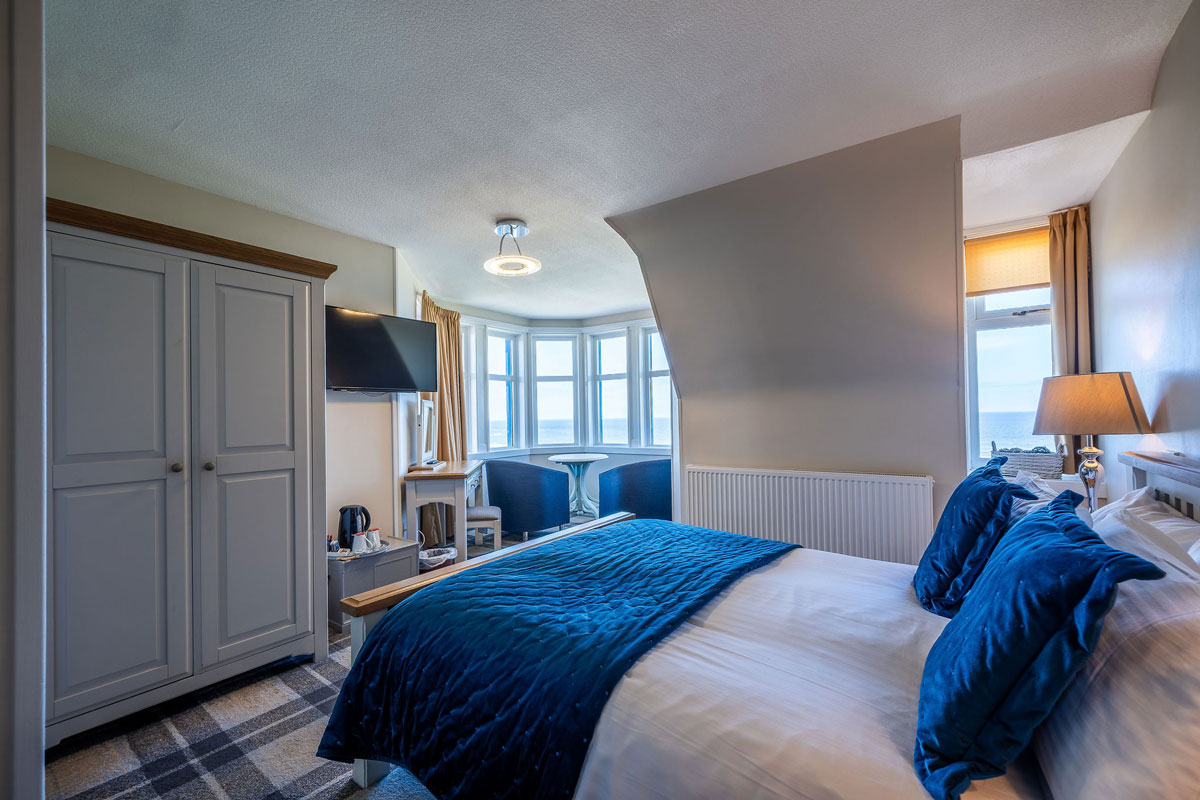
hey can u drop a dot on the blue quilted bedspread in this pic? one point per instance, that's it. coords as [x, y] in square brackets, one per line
[489, 684]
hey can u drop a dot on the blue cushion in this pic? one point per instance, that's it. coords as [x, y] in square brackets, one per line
[973, 521]
[1021, 635]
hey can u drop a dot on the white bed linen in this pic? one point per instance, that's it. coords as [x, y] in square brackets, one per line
[799, 681]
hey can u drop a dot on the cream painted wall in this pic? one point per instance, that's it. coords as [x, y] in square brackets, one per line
[1146, 260]
[812, 313]
[360, 431]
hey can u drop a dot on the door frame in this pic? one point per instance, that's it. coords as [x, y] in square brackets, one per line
[23, 412]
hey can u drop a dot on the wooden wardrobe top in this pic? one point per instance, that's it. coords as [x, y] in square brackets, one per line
[96, 219]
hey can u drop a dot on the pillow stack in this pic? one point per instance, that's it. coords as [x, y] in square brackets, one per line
[1022, 626]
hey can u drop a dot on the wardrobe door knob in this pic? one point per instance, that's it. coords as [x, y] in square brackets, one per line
[209, 466]
[177, 468]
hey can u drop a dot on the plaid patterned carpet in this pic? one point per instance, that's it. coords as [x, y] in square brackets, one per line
[253, 737]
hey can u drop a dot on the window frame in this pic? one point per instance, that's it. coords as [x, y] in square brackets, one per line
[978, 319]
[595, 386]
[536, 380]
[515, 379]
[647, 374]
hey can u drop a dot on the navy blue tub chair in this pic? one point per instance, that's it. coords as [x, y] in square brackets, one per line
[530, 498]
[642, 488]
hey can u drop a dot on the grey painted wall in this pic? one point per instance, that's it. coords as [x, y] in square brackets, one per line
[812, 314]
[1146, 260]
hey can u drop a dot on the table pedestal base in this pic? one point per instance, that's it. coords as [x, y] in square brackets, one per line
[581, 504]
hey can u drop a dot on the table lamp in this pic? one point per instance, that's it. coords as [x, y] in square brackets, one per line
[1085, 405]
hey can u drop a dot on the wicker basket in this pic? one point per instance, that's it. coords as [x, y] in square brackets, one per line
[1044, 465]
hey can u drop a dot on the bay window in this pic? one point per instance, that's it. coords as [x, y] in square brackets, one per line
[549, 389]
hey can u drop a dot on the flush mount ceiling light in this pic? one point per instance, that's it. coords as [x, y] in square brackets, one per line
[511, 265]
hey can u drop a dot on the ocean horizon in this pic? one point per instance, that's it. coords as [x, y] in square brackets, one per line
[1009, 429]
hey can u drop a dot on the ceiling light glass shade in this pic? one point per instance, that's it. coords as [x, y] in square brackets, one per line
[512, 265]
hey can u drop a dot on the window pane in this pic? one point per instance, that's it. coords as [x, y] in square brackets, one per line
[500, 427]
[1011, 365]
[614, 411]
[555, 412]
[499, 355]
[1022, 298]
[660, 410]
[555, 357]
[612, 355]
[658, 356]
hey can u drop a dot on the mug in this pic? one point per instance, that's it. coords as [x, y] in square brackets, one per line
[373, 538]
[359, 543]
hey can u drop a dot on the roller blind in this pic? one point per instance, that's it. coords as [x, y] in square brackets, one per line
[1008, 261]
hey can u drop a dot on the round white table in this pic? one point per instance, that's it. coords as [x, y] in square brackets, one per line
[577, 464]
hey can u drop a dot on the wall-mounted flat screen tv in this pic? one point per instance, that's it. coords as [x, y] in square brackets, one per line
[379, 353]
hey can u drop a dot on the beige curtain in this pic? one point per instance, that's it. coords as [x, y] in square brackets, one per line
[449, 401]
[1071, 302]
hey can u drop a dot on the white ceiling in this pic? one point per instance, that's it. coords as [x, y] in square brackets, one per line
[1038, 178]
[415, 124]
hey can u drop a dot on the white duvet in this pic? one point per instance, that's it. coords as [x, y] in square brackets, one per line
[799, 681]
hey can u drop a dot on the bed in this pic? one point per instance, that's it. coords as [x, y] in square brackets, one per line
[798, 679]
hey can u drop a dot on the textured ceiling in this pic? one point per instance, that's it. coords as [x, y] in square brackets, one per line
[1035, 179]
[415, 124]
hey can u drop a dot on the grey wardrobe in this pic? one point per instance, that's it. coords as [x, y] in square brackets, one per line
[186, 473]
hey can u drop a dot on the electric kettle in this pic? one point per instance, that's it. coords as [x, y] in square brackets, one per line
[352, 520]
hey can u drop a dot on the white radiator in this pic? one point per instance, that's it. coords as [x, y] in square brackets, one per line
[885, 517]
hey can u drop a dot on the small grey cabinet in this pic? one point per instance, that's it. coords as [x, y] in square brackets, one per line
[186, 436]
[349, 576]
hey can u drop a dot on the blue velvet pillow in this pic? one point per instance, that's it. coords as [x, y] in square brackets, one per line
[973, 521]
[1022, 634]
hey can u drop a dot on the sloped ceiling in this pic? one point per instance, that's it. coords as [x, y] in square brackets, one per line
[415, 124]
[1041, 177]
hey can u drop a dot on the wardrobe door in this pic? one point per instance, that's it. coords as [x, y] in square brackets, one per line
[250, 399]
[119, 596]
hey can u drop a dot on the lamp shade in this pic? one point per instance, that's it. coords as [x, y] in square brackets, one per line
[1099, 402]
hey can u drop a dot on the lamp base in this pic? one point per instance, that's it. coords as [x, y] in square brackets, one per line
[1090, 471]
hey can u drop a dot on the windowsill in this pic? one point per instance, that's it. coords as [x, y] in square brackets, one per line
[548, 450]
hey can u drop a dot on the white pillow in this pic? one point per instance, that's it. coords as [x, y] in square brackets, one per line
[1128, 724]
[1045, 493]
[1125, 520]
[1140, 505]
